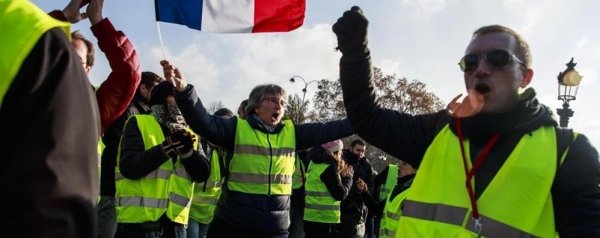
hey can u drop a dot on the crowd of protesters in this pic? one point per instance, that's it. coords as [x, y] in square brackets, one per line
[140, 155]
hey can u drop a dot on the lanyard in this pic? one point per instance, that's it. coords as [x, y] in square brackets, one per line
[471, 172]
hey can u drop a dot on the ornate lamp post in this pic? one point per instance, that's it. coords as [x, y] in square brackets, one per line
[568, 84]
[293, 80]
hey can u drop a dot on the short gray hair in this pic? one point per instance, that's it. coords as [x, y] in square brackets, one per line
[258, 93]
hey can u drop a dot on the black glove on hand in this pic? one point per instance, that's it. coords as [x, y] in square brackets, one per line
[351, 31]
[179, 143]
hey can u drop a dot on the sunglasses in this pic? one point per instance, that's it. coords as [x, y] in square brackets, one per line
[495, 59]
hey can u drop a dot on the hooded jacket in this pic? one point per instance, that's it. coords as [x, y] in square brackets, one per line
[575, 192]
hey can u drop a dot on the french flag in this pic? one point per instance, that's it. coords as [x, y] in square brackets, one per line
[233, 16]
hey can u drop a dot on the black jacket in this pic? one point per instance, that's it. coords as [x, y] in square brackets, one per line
[137, 162]
[111, 139]
[268, 214]
[575, 192]
[50, 127]
[377, 207]
[354, 204]
[337, 185]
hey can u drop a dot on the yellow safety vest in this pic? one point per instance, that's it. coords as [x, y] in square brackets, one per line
[262, 163]
[390, 182]
[207, 194]
[391, 213]
[516, 203]
[299, 174]
[320, 205]
[22, 25]
[168, 189]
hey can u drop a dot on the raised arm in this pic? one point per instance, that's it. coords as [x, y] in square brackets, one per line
[313, 134]
[218, 130]
[400, 134]
[114, 94]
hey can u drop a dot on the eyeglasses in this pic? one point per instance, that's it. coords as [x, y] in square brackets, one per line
[494, 58]
[276, 101]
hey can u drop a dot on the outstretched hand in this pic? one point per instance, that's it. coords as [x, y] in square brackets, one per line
[351, 31]
[173, 75]
[470, 105]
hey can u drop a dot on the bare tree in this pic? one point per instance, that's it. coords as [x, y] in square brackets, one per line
[296, 109]
[214, 106]
[392, 92]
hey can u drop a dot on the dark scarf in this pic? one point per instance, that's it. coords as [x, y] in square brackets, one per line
[262, 124]
[169, 116]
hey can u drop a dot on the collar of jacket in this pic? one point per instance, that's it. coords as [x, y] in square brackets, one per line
[406, 180]
[527, 116]
[257, 124]
[141, 106]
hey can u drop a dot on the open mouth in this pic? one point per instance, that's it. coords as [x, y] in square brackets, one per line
[275, 115]
[482, 88]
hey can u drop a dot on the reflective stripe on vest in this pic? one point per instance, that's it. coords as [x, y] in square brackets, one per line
[320, 205]
[207, 194]
[390, 182]
[516, 203]
[168, 189]
[391, 214]
[22, 25]
[262, 163]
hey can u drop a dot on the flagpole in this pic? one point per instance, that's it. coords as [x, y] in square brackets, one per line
[162, 45]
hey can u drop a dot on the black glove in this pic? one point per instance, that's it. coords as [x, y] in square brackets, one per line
[351, 31]
[179, 143]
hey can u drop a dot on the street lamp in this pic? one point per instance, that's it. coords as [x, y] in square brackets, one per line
[568, 84]
[293, 80]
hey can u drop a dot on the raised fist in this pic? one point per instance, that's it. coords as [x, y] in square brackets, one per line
[351, 31]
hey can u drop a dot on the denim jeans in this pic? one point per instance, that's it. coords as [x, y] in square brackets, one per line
[196, 229]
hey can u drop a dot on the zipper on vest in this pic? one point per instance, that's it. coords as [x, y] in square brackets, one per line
[270, 164]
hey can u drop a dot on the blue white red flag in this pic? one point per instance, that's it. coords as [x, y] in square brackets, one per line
[233, 16]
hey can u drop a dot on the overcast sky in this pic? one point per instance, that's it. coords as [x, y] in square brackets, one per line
[417, 39]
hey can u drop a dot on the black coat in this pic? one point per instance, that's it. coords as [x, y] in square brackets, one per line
[354, 204]
[49, 123]
[575, 192]
[111, 139]
[268, 214]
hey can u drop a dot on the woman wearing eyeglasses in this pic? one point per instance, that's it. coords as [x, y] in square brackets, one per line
[495, 165]
[255, 198]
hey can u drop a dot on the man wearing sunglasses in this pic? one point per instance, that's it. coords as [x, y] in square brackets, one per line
[496, 165]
